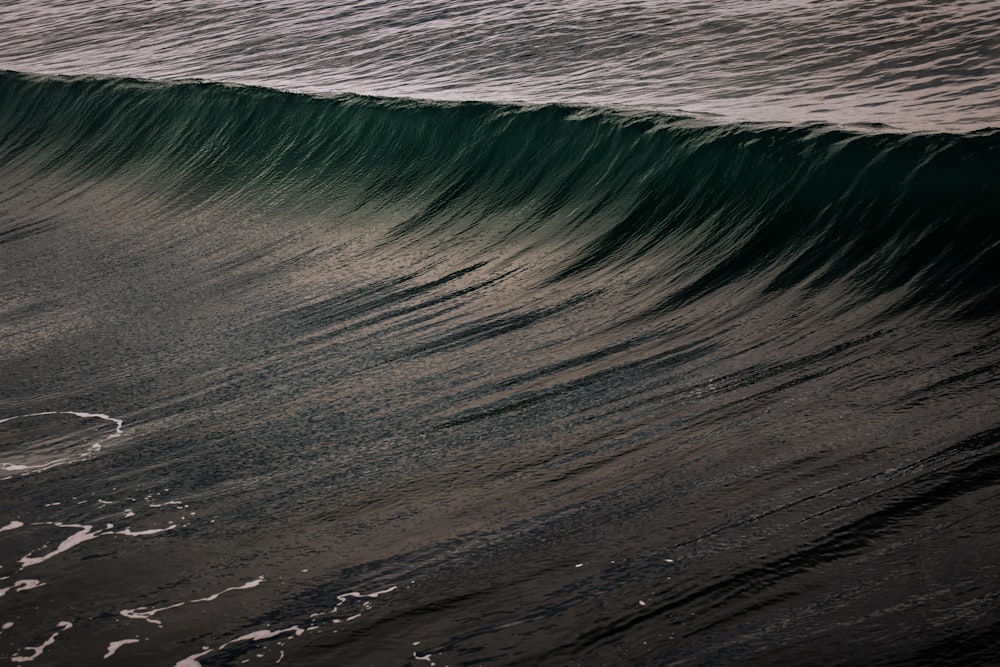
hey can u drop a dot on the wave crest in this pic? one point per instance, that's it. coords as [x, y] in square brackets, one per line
[703, 204]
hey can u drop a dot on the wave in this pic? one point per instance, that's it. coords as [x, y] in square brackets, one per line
[565, 381]
[700, 205]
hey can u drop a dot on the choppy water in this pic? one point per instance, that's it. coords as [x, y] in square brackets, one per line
[909, 64]
[543, 355]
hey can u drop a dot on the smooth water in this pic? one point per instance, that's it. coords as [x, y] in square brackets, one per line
[495, 333]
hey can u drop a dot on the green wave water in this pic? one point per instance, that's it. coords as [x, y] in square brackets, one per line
[802, 205]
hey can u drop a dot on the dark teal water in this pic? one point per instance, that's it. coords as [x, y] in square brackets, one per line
[537, 369]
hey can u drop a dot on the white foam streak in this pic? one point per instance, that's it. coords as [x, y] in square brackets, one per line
[141, 533]
[83, 535]
[114, 646]
[119, 423]
[257, 635]
[140, 615]
[17, 467]
[260, 635]
[146, 614]
[192, 660]
[22, 585]
[13, 525]
[250, 584]
[38, 650]
[344, 597]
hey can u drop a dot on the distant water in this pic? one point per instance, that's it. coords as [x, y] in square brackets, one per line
[464, 333]
[911, 65]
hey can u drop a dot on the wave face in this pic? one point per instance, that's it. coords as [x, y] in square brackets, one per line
[392, 381]
[803, 207]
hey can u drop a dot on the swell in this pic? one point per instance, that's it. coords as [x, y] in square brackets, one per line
[758, 449]
[700, 206]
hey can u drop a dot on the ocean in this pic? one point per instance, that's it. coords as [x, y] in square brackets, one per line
[499, 333]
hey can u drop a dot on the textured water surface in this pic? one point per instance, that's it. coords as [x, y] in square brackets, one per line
[909, 64]
[561, 363]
